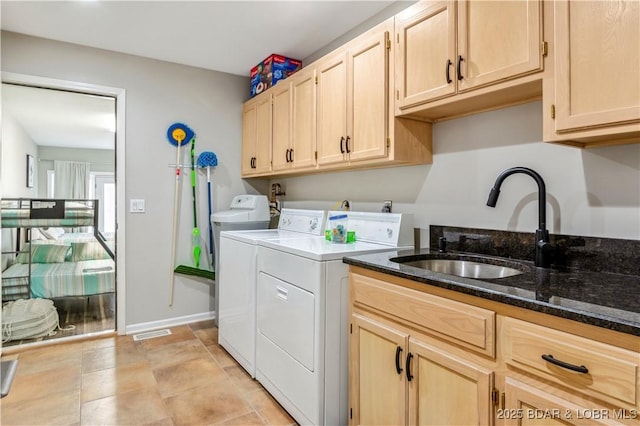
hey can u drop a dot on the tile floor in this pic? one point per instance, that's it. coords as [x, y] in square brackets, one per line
[181, 379]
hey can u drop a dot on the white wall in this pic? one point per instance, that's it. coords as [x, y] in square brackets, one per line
[14, 160]
[13, 179]
[592, 192]
[158, 94]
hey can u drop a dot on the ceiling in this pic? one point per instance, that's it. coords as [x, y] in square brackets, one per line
[226, 36]
[63, 119]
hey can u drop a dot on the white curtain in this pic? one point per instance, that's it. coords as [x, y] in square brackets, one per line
[71, 179]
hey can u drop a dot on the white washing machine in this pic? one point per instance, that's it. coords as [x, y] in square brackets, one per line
[245, 212]
[238, 256]
[302, 315]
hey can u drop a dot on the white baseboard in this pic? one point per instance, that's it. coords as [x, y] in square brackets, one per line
[170, 322]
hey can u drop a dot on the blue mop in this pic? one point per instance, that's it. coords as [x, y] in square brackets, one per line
[209, 159]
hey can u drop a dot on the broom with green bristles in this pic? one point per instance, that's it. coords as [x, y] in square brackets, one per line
[195, 234]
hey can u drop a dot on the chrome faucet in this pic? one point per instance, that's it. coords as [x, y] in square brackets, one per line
[544, 249]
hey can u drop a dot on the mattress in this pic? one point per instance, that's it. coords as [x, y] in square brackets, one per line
[18, 214]
[52, 280]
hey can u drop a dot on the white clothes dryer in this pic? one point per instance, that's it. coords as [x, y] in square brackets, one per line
[302, 315]
[238, 255]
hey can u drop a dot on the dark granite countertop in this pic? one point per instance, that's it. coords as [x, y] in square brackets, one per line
[603, 299]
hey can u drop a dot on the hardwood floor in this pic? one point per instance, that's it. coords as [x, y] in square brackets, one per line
[78, 316]
[184, 378]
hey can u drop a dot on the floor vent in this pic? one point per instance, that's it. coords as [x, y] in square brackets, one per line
[151, 334]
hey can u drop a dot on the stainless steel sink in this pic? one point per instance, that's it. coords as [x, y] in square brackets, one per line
[463, 266]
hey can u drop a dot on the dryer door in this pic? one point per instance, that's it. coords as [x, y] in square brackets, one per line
[286, 316]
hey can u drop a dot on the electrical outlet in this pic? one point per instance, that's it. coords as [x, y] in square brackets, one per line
[386, 206]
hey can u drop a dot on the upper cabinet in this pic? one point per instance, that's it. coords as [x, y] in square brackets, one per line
[371, 102]
[451, 47]
[593, 95]
[294, 122]
[256, 136]
[353, 99]
[337, 114]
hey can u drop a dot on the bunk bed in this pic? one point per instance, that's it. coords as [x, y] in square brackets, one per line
[50, 262]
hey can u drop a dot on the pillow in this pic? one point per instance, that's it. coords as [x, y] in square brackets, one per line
[88, 251]
[44, 253]
[36, 235]
[52, 233]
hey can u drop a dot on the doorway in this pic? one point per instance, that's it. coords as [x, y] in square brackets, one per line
[99, 311]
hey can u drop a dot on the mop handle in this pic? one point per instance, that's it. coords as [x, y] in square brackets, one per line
[209, 196]
[175, 217]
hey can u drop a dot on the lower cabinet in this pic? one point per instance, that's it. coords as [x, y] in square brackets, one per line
[379, 387]
[402, 380]
[413, 360]
[531, 405]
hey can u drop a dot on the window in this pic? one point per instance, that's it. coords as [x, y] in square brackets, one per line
[102, 186]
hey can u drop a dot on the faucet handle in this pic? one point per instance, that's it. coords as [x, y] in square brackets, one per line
[442, 244]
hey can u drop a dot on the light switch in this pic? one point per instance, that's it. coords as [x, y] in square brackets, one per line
[137, 206]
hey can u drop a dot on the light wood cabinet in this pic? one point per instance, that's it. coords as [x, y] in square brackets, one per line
[533, 406]
[445, 389]
[393, 370]
[450, 47]
[294, 122]
[353, 99]
[337, 114]
[256, 136]
[593, 95]
[562, 373]
[378, 385]
[397, 375]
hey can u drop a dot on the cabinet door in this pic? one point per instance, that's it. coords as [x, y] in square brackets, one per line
[368, 103]
[281, 125]
[446, 390]
[332, 109]
[426, 53]
[263, 139]
[376, 380]
[597, 65]
[256, 136]
[497, 40]
[303, 99]
[527, 405]
[249, 122]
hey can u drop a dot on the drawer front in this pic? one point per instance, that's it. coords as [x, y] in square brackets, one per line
[591, 368]
[465, 325]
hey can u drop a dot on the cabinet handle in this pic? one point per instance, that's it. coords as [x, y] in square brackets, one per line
[398, 367]
[460, 77]
[255, 160]
[449, 63]
[572, 367]
[291, 155]
[251, 163]
[408, 367]
[286, 156]
[347, 144]
[341, 144]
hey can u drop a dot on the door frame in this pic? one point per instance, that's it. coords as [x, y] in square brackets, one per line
[119, 95]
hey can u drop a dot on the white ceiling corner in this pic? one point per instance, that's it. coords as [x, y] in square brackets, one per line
[225, 36]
